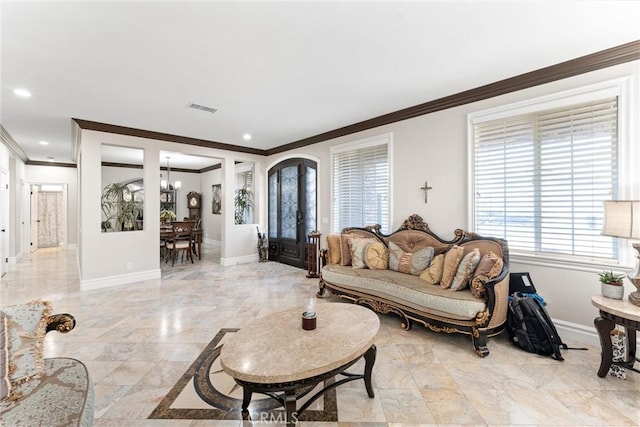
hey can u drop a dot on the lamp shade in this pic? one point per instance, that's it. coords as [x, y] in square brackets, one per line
[622, 219]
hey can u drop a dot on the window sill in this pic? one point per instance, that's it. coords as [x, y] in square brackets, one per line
[585, 265]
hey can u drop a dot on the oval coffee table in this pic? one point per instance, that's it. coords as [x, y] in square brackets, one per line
[275, 356]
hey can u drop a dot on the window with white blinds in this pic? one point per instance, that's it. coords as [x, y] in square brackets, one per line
[540, 179]
[361, 185]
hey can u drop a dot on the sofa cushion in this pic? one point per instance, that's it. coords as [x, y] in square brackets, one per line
[489, 267]
[63, 396]
[406, 290]
[452, 260]
[465, 271]
[5, 384]
[410, 263]
[376, 256]
[335, 252]
[433, 274]
[345, 249]
[358, 246]
[26, 327]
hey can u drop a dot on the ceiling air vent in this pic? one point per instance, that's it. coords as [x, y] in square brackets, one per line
[202, 107]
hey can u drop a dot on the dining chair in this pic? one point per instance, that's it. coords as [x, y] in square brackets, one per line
[180, 241]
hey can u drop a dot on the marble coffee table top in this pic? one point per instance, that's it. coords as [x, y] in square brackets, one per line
[275, 348]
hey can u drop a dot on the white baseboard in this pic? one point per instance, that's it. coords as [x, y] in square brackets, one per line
[575, 332]
[13, 259]
[225, 262]
[122, 279]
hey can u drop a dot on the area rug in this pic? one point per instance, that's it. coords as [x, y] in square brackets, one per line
[206, 392]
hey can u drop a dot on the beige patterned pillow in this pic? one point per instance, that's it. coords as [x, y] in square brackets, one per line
[410, 263]
[335, 252]
[433, 274]
[376, 256]
[452, 259]
[345, 249]
[358, 245]
[26, 327]
[465, 270]
[489, 267]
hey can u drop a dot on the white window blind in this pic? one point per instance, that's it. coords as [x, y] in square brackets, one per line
[361, 188]
[540, 179]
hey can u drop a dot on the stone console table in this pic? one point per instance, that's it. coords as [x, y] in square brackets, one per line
[616, 312]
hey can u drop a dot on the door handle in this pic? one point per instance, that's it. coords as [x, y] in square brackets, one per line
[3, 230]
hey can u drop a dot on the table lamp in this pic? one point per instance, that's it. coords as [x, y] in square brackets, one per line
[622, 219]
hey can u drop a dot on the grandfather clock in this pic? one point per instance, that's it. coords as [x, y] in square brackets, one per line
[194, 202]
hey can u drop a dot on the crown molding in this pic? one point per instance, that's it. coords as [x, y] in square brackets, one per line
[12, 145]
[606, 58]
[54, 164]
[148, 134]
[603, 59]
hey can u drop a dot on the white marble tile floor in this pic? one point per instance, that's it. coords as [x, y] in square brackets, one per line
[138, 339]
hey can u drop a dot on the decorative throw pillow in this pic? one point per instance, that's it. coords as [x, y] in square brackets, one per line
[335, 253]
[358, 245]
[411, 263]
[433, 274]
[376, 256]
[345, 249]
[452, 259]
[5, 384]
[465, 270]
[26, 327]
[489, 267]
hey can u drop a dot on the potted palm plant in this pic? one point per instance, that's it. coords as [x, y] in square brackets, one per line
[120, 208]
[611, 284]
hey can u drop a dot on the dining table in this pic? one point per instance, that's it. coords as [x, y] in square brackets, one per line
[166, 232]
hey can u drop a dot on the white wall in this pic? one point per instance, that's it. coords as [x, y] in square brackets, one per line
[433, 147]
[115, 258]
[211, 224]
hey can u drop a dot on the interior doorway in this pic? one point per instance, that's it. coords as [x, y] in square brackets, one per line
[48, 216]
[292, 210]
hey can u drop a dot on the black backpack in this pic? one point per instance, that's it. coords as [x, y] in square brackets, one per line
[531, 328]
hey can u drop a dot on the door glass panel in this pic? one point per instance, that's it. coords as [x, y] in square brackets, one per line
[289, 204]
[310, 174]
[273, 205]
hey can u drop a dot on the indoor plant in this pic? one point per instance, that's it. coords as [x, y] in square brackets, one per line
[166, 216]
[242, 203]
[611, 284]
[120, 207]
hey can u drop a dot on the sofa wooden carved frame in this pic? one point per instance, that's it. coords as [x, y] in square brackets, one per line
[483, 326]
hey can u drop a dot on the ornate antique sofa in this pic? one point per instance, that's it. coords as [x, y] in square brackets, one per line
[41, 391]
[479, 306]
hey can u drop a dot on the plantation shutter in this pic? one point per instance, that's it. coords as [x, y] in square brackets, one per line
[540, 179]
[361, 188]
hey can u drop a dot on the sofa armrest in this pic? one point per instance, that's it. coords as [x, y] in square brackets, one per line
[63, 322]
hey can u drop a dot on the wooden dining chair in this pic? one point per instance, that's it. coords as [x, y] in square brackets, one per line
[181, 241]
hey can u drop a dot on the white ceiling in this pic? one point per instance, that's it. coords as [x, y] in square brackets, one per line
[282, 71]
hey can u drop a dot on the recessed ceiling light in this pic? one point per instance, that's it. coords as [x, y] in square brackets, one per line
[22, 93]
[44, 143]
[246, 137]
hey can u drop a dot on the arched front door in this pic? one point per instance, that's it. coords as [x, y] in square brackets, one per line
[292, 210]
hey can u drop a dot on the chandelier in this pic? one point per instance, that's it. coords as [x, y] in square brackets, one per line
[167, 184]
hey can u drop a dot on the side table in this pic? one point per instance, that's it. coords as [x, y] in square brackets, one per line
[616, 312]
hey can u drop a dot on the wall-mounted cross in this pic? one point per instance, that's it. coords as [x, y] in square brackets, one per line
[426, 189]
